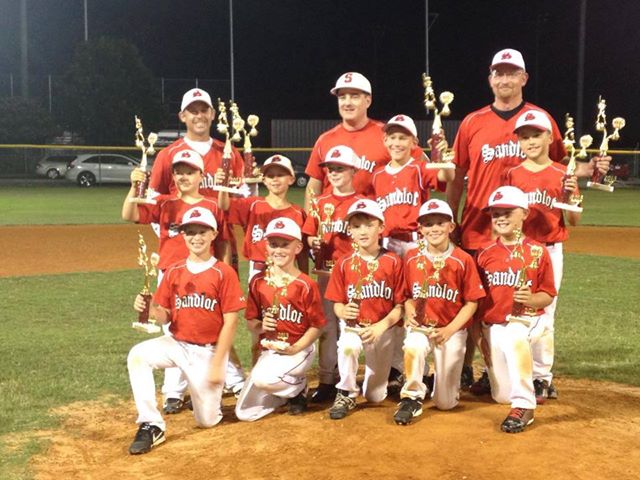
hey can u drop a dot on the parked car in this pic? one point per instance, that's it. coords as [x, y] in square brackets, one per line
[90, 169]
[54, 166]
[301, 178]
[167, 137]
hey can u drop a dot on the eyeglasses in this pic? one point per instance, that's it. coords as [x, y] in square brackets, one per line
[510, 74]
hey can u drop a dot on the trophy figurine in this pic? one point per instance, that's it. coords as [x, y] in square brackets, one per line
[444, 159]
[519, 312]
[323, 264]
[571, 201]
[149, 264]
[143, 193]
[357, 297]
[275, 339]
[427, 325]
[598, 180]
[229, 184]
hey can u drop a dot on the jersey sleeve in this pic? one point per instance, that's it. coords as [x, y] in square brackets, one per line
[336, 290]
[239, 211]
[314, 308]
[163, 294]
[148, 213]
[231, 296]
[545, 275]
[161, 180]
[313, 164]
[472, 287]
[310, 227]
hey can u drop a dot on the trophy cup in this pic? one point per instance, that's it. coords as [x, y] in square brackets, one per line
[275, 340]
[356, 266]
[143, 193]
[323, 263]
[519, 312]
[571, 201]
[251, 171]
[598, 180]
[426, 325]
[438, 160]
[229, 184]
[149, 265]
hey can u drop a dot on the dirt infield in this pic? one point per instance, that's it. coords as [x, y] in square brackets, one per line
[590, 432]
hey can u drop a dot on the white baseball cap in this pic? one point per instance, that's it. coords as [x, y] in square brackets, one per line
[508, 56]
[340, 155]
[403, 121]
[279, 161]
[535, 119]
[435, 206]
[366, 206]
[508, 197]
[199, 216]
[352, 80]
[283, 227]
[189, 157]
[195, 95]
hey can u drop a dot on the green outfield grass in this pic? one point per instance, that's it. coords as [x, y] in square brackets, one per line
[48, 205]
[66, 338]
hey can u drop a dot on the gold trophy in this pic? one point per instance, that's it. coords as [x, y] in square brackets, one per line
[426, 325]
[323, 262]
[571, 201]
[149, 264]
[229, 184]
[519, 312]
[444, 160]
[143, 192]
[276, 340]
[598, 180]
[251, 171]
[356, 266]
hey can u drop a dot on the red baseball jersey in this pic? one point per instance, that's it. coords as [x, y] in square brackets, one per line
[458, 283]
[486, 147]
[500, 274]
[367, 143]
[544, 224]
[161, 174]
[199, 300]
[401, 191]
[254, 214]
[379, 296]
[167, 213]
[300, 308]
[335, 233]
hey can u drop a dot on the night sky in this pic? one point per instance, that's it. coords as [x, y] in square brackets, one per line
[288, 53]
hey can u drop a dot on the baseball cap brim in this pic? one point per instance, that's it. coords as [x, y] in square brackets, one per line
[281, 235]
[265, 168]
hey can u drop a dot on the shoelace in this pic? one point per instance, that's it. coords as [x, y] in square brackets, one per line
[517, 412]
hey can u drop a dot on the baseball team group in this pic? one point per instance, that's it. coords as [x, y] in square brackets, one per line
[397, 278]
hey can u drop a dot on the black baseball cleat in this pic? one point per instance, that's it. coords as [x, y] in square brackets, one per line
[297, 404]
[324, 393]
[342, 405]
[482, 386]
[429, 380]
[552, 392]
[148, 436]
[408, 408]
[517, 420]
[541, 388]
[396, 381]
[466, 377]
[174, 405]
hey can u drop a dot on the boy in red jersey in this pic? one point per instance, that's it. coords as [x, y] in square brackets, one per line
[367, 288]
[335, 242]
[284, 310]
[543, 181]
[443, 288]
[201, 297]
[518, 280]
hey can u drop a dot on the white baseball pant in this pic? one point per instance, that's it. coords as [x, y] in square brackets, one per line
[192, 360]
[274, 379]
[377, 364]
[447, 359]
[328, 342]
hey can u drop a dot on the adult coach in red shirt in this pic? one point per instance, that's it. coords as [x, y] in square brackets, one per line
[486, 147]
[357, 131]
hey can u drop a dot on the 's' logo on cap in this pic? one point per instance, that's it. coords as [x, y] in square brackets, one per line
[197, 93]
[361, 205]
[399, 118]
[195, 214]
[279, 225]
[506, 56]
[432, 206]
[529, 116]
[336, 153]
[497, 196]
[275, 159]
[185, 155]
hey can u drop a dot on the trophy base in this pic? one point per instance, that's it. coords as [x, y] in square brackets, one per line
[428, 331]
[568, 207]
[519, 319]
[274, 344]
[600, 186]
[147, 327]
[250, 180]
[220, 188]
[440, 165]
[142, 201]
